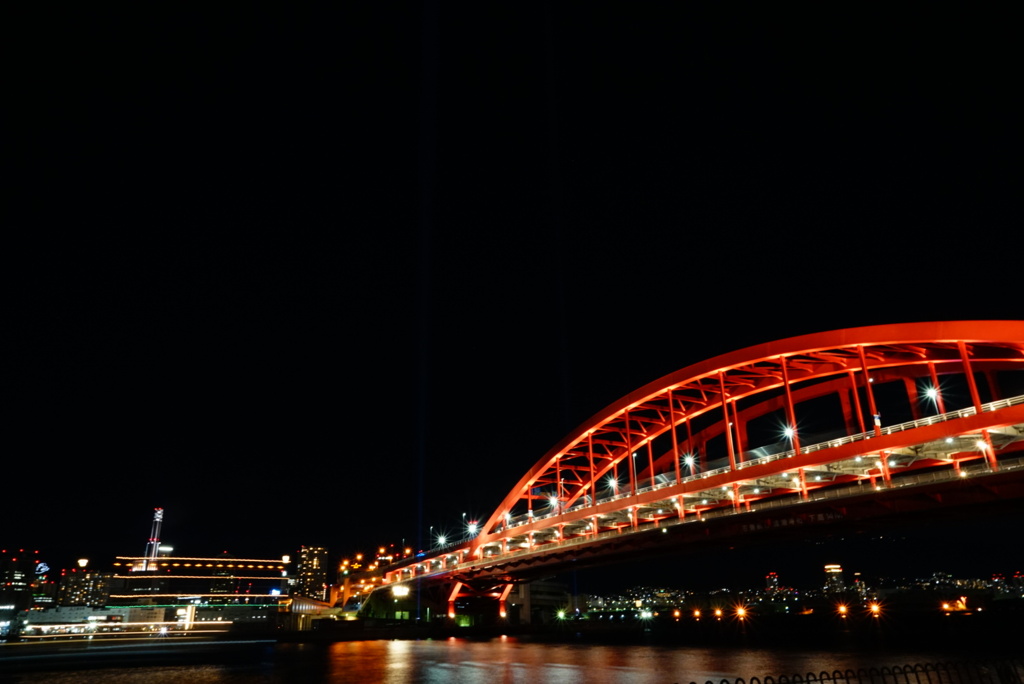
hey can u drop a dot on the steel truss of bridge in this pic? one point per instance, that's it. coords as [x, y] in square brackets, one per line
[648, 465]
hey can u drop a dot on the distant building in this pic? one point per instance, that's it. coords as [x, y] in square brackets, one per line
[771, 582]
[83, 588]
[188, 591]
[311, 573]
[166, 594]
[24, 581]
[537, 602]
[44, 590]
[834, 582]
[859, 586]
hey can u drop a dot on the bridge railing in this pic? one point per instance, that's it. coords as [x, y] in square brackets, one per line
[670, 479]
[827, 493]
[1003, 671]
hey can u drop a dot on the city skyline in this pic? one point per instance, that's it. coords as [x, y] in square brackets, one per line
[965, 548]
[71, 587]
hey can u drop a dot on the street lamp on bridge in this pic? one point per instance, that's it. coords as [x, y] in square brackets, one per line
[934, 393]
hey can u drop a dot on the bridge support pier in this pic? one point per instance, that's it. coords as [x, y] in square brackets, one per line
[451, 599]
[499, 590]
[502, 601]
[990, 452]
[883, 458]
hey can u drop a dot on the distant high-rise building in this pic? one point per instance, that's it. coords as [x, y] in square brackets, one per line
[311, 573]
[859, 586]
[82, 588]
[834, 582]
[771, 582]
[22, 575]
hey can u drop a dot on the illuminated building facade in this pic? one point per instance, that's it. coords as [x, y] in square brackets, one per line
[17, 568]
[79, 587]
[24, 580]
[167, 594]
[193, 590]
[311, 573]
[834, 582]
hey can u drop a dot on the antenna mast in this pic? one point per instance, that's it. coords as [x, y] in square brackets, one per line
[153, 547]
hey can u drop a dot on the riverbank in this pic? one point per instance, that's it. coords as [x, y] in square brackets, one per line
[999, 631]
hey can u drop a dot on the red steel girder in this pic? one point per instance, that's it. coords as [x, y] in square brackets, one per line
[631, 423]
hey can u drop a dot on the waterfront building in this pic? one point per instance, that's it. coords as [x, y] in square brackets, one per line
[223, 580]
[166, 593]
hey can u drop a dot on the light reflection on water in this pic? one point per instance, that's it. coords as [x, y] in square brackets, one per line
[499, 661]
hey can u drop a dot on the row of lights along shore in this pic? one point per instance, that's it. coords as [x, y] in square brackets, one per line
[843, 610]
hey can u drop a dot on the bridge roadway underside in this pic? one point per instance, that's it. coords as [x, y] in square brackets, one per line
[982, 497]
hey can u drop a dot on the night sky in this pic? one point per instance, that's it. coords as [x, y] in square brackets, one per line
[333, 277]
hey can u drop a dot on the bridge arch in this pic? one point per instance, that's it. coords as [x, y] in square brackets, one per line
[696, 439]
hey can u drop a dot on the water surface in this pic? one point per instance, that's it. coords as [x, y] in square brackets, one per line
[503, 660]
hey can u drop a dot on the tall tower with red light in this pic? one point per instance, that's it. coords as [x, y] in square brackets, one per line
[153, 545]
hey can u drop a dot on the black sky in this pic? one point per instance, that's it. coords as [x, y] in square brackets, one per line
[336, 276]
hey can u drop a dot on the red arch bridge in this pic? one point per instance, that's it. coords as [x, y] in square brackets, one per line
[857, 424]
